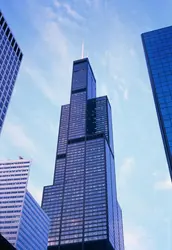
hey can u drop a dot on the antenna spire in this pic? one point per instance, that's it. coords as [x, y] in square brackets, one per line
[82, 55]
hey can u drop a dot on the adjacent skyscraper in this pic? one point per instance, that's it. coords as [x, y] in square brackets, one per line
[158, 52]
[82, 202]
[22, 221]
[10, 60]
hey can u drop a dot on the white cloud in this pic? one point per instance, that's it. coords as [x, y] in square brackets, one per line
[57, 3]
[108, 61]
[122, 87]
[50, 13]
[127, 166]
[50, 37]
[72, 12]
[54, 37]
[50, 83]
[132, 52]
[154, 173]
[18, 137]
[94, 3]
[163, 185]
[103, 90]
[132, 240]
[88, 2]
[51, 48]
[53, 127]
[69, 10]
[3, 158]
[137, 239]
[42, 83]
[69, 24]
[36, 192]
[126, 94]
[126, 170]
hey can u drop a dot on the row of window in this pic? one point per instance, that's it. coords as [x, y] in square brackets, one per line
[14, 179]
[13, 172]
[13, 164]
[10, 211]
[11, 197]
[13, 185]
[8, 227]
[8, 37]
[4, 175]
[71, 220]
[14, 206]
[11, 201]
[89, 204]
[12, 192]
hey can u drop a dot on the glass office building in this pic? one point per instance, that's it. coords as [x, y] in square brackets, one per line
[82, 202]
[22, 221]
[10, 60]
[33, 227]
[158, 52]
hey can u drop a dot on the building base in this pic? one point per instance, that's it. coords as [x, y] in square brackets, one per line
[89, 245]
[5, 245]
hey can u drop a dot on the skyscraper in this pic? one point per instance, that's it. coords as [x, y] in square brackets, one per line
[10, 60]
[158, 52]
[22, 221]
[82, 202]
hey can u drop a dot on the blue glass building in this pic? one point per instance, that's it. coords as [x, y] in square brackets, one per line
[10, 60]
[23, 223]
[82, 202]
[158, 52]
[33, 227]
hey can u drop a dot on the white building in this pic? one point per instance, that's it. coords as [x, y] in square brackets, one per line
[22, 221]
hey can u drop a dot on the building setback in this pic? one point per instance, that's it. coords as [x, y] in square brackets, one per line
[23, 223]
[158, 52]
[82, 202]
[10, 60]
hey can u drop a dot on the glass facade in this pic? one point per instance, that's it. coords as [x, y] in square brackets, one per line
[33, 227]
[22, 221]
[82, 202]
[95, 217]
[158, 52]
[10, 60]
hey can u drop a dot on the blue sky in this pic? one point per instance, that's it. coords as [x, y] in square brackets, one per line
[50, 34]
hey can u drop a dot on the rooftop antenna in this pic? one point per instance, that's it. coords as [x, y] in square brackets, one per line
[82, 55]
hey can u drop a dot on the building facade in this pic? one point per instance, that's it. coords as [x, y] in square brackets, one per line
[33, 227]
[22, 221]
[158, 52]
[82, 202]
[10, 60]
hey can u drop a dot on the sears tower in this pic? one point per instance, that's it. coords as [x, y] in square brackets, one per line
[82, 202]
